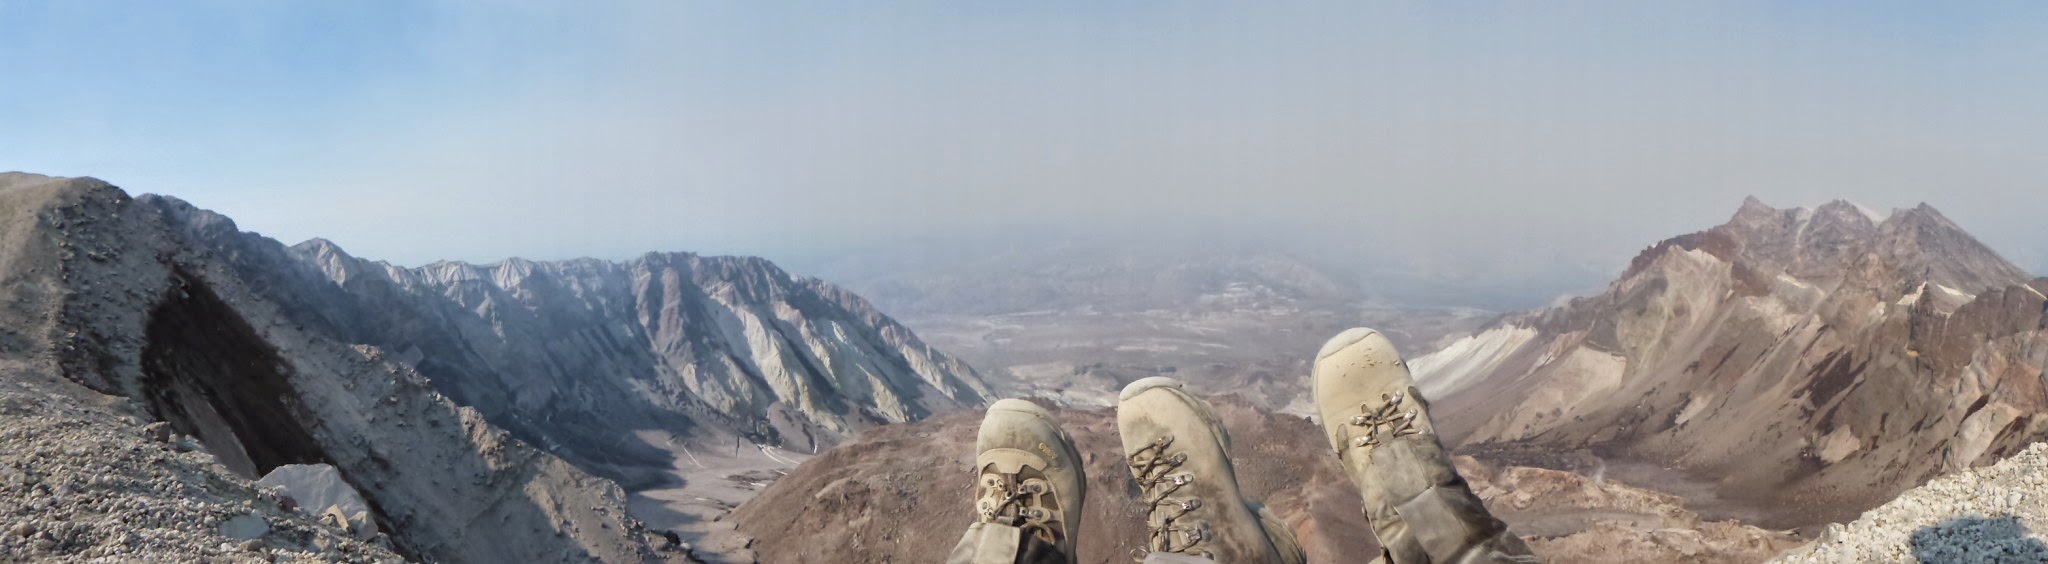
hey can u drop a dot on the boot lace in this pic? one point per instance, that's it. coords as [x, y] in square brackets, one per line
[1024, 500]
[1154, 470]
[1385, 418]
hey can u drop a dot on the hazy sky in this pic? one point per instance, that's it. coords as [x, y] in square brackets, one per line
[1509, 133]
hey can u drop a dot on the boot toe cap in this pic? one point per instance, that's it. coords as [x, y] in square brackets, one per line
[1353, 337]
[1020, 406]
[1143, 384]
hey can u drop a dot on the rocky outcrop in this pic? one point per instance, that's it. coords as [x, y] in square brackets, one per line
[1815, 361]
[80, 481]
[320, 491]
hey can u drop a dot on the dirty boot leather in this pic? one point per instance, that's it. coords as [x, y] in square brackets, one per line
[1378, 424]
[1179, 455]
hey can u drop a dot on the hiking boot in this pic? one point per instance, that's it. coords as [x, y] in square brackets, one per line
[1379, 425]
[1180, 456]
[1030, 476]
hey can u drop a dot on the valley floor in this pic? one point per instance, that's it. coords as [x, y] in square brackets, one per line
[700, 491]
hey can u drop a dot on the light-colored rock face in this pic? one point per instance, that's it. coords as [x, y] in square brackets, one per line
[1817, 355]
[317, 489]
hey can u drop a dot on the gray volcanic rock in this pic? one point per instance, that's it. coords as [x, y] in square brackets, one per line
[1811, 363]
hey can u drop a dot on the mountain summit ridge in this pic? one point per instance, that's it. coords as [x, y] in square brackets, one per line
[1841, 241]
[1785, 354]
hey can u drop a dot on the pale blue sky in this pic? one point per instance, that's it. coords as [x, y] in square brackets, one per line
[1516, 135]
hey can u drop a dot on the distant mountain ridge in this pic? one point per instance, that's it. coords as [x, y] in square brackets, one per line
[1840, 242]
[1107, 277]
[735, 340]
[1821, 359]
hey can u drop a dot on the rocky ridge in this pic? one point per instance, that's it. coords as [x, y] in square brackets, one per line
[1812, 362]
[428, 389]
[122, 301]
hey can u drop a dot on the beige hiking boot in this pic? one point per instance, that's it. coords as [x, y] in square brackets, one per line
[1421, 509]
[1030, 475]
[1180, 456]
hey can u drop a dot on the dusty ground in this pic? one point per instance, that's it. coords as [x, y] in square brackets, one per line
[1568, 517]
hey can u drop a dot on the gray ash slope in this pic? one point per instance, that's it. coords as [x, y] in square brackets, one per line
[1808, 363]
[408, 380]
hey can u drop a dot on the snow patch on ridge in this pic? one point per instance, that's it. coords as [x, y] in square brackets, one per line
[1910, 299]
[1467, 360]
[1955, 292]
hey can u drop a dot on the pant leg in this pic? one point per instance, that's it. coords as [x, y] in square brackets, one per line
[1170, 558]
[989, 543]
[1435, 518]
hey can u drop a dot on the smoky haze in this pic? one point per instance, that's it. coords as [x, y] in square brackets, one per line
[1512, 141]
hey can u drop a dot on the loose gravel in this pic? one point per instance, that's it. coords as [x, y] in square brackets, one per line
[81, 483]
[1990, 514]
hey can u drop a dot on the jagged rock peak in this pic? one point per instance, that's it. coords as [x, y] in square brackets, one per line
[1841, 240]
